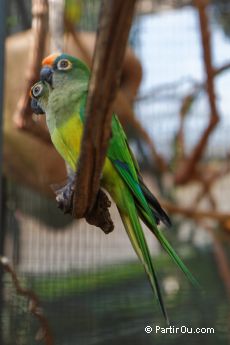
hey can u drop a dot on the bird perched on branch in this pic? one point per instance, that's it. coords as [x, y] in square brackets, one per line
[61, 95]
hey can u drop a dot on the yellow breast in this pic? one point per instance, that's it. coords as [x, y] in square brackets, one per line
[67, 140]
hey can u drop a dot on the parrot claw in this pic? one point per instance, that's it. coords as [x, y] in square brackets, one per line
[64, 197]
[98, 216]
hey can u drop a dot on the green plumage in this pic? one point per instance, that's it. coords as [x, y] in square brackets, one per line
[64, 105]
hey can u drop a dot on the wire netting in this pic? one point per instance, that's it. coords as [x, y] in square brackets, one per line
[91, 286]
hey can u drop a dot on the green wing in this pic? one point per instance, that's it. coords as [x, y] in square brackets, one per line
[118, 144]
[126, 165]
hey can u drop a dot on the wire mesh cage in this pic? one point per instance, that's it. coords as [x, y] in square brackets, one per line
[91, 287]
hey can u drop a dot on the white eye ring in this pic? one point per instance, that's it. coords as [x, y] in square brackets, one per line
[64, 65]
[37, 90]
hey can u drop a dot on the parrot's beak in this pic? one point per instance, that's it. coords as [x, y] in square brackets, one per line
[35, 107]
[46, 74]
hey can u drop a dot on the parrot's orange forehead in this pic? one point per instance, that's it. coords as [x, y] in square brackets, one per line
[49, 60]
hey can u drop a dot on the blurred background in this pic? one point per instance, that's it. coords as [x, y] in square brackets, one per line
[174, 104]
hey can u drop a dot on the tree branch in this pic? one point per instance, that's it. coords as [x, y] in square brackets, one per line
[34, 305]
[196, 214]
[189, 166]
[23, 113]
[114, 25]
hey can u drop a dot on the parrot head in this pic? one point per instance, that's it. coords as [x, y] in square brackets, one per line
[39, 94]
[61, 69]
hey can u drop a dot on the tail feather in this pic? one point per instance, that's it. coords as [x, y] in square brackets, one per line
[166, 245]
[134, 230]
[155, 206]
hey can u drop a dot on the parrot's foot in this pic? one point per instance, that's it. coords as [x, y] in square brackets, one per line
[64, 197]
[99, 215]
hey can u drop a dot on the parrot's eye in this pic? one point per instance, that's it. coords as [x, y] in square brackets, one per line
[64, 65]
[36, 90]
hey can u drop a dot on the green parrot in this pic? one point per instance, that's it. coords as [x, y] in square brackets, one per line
[61, 95]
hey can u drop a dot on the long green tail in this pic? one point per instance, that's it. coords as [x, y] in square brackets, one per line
[145, 208]
[166, 245]
[134, 230]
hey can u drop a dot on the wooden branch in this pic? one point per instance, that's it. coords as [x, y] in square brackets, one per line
[221, 69]
[114, 25]
[187, 102]
[206, 191]
[23, 113]
[180, 138]
[34, 305]
[188, 167]
[198, 86]
[207, 180]
[196, 214]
